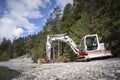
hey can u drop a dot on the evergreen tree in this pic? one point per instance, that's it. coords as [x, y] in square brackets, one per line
[67, 18]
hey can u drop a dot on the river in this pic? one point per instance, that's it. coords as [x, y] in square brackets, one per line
[7, 74]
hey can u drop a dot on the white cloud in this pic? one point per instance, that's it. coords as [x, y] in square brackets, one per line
[14, 22]
[47, 1]
[34, 14]
[62, 3]
[26, 8]
[18, 32]
[6, 29]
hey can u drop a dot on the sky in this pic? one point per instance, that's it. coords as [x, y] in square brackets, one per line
[20, 18]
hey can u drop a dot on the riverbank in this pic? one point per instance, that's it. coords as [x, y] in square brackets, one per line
[105, 69]
[20, 64]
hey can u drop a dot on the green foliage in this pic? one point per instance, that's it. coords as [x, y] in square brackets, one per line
[67, 19]
[81, 28]
[35, 55]
[5, 49]
[107, 24]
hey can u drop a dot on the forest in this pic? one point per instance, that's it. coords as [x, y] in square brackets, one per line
[83, 17]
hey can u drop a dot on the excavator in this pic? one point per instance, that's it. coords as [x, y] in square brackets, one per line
[90, 47]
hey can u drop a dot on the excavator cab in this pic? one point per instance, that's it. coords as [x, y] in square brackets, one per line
[91, 43]
[93, 48]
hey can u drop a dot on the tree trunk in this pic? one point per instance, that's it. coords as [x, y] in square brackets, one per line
[58, 48]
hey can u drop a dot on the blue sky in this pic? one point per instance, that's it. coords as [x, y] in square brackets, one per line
[20, 18]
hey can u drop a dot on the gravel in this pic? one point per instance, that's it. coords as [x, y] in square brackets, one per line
[106, 69]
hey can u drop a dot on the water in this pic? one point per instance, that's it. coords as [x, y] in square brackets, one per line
[8, 74]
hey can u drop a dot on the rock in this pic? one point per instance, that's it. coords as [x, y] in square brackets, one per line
[102, 79]
[118, 71]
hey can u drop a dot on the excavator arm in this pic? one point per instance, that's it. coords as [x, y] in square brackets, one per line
[62, 38]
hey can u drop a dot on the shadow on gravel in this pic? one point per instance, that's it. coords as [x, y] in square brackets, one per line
[102, 58]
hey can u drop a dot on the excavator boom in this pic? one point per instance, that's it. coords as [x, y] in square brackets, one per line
[62, 38]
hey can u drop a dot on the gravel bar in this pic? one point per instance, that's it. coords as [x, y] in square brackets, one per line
[106, 69]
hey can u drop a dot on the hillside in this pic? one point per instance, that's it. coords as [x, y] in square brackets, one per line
[83, 17]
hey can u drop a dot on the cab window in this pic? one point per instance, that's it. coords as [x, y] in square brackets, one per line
[91, 43]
